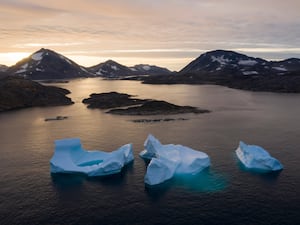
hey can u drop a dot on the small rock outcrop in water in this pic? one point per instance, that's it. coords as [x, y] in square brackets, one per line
[114, 101]
[16, 92]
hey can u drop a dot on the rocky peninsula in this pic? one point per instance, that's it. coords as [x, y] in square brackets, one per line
[17, 92]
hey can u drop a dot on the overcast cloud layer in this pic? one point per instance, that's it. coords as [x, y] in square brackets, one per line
[167, 32]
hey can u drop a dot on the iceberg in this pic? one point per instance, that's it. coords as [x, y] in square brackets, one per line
[169, 160]
[257, 158]
[70, 157]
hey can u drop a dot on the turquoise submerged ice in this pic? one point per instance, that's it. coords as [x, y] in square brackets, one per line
[70, 157]
[255, 157]
[169, 160]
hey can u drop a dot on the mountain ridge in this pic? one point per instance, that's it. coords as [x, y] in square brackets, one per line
[224, 61]
[113, 69]
[239, 71]
[48, 64]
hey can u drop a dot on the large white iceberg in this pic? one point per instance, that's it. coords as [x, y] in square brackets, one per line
[70, 157]
[257, 158]
[168, 160]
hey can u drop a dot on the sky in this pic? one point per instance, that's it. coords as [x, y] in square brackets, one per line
[168, 33]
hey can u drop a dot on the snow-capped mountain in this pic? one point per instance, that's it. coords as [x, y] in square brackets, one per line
[110, 69]
[47, 64]
[145, 69]
[223, 62]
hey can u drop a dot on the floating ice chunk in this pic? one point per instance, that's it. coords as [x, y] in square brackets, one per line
[255, 157]
[69, 157]
[169, 160]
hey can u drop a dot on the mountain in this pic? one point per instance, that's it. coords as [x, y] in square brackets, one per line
[235, 70]
[47, 64]
[221, 61]
[110, 69]
[17, 92]
[285, 66]
[145, 69]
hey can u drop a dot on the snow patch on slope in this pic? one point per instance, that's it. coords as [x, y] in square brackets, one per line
[279, 68]
[250, 73]
[146, 67]
[114, 67]
[220, 60]
[37, 56]
[23, 68]
[248, 62]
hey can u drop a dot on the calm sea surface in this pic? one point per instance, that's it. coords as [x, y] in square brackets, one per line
[223, 194]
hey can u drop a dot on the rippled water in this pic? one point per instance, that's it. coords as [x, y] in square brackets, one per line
[223, 194]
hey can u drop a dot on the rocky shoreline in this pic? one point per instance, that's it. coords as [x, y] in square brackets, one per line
[17, 93]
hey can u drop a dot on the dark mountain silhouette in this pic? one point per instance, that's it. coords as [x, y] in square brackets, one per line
[47, 64]
[145, 69]
[236, 70]
[112, 69]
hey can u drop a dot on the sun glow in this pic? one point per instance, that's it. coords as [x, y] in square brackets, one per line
[11, 58]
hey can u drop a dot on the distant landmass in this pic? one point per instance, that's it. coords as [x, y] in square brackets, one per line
[46, 64]
[220, 67]
[236, 70]
[17, 92]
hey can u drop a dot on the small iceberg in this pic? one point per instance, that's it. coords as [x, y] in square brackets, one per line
[256, 158]
[70, 157]
[169, 160]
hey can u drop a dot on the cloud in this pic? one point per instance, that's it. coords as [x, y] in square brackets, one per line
[144, 27]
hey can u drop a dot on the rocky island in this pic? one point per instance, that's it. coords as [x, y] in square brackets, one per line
[17, 92]
[115, 100]
[155, 107]
[111, 100]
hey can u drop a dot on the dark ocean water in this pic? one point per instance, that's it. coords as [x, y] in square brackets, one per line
[223, 194]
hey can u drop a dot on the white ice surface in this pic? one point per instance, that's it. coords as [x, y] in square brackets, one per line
[255, 157]
[168, 160]
[70, 157]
